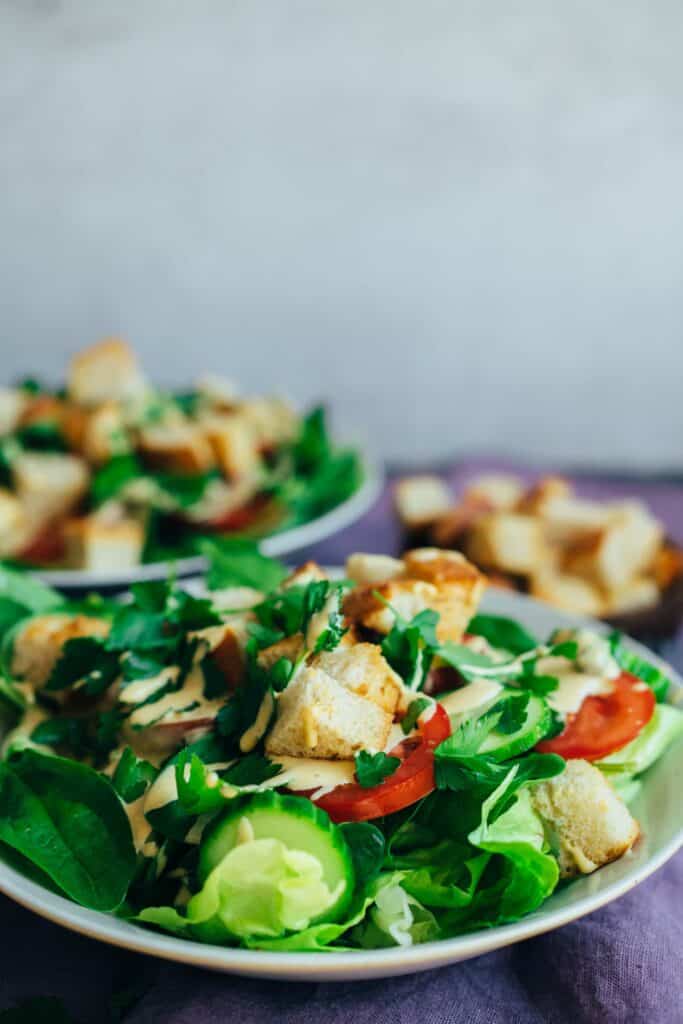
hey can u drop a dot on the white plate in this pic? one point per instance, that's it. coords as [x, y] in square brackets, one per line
[277, 545]
[658, 808]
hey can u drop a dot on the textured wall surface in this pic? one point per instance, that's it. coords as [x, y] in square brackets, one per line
[462, 221]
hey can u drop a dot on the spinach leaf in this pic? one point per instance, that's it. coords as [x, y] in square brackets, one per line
[67, 820]
[367, 847]
[132, 776]
[372, 769]
[503, 633]
[237, 562]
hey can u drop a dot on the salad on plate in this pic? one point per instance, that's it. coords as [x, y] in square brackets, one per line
[109, 472]
[301, 762]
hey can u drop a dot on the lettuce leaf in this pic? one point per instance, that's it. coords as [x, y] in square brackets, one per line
[665, 726]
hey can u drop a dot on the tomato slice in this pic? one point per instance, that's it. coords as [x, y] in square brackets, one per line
[46, 547]
[605, 724]
[412, 780]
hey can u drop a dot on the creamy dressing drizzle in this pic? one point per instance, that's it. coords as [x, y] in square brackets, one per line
[469, 697]
[253, 734]
[308, 773]
[175, 706]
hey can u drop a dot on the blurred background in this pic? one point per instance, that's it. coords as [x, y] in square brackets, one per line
[460, 222]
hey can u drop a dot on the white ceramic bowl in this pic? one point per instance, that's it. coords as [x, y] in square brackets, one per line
[658, 808]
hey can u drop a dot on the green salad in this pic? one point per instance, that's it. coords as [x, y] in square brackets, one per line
[109, 472]
[300, 763]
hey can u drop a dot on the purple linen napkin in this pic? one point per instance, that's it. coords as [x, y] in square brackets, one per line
[623, 963]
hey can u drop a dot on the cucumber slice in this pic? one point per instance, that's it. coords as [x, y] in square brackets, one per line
[537, 722]
[297, 823]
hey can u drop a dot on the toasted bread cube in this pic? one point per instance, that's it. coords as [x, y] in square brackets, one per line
[454, 602]
[548, 488]
[450, 529]
[12, 404]
[499, 491]
[107, 371]
[571, 593]
[420, 500]
[289, 647]
[234, 444]
[237, 599]
[625, 548]
[176, 448]
[217, 391]
[318, 717]
[95, 544]
[364, 670]
[668, 565]
[38, 644]
[641, 592]
[49, 484]
[309, 572]
[568, 519]
[227, 644]
[273, 421]
[589, 824]
[435, 565]
[15, 528]
[362, 568]
[104, 433]
[507, 541]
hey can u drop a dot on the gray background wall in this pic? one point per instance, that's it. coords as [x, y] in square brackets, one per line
[460, 220]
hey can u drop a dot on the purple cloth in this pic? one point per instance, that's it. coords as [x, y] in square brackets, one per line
[621, 964]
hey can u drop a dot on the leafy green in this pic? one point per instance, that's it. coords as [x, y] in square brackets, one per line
[513, 713]
[201, 790]
[627, 660]
[372, 769]
[114, 476]
[28, 591]
[132, 776]
[184, 489]
[67, 820]
[367, 846]
[75, 665]
[42, 436]
[409, 646]
[660, 732]
[237, 562]
[503, 633]
[415, 709]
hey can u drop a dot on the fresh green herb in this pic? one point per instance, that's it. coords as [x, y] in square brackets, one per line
[331, 636]
[215, 683]
[567, 649]
[540, 685]
[415, 709]
[201, 790]
[86, 661]
[42, 436]
[31, 386]
[184, 489]
[132, 776]
[67, 820]
[503, 633]
[513, 713]
[372, 769]
[237, 562]
[409, 646]
[241, 710]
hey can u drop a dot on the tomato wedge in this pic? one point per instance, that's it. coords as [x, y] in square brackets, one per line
[605, 724]
[413, 779]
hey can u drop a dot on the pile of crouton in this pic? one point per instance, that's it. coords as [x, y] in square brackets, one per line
[109, 409]
[592, 558]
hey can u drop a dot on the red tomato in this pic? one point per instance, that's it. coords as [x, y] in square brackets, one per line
[412, 780]
[605, 724]
[46, 547]
[238, 519]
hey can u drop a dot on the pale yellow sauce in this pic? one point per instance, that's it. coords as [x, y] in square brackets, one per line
[469, 697]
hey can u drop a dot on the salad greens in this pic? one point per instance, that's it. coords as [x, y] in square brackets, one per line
[137, 778]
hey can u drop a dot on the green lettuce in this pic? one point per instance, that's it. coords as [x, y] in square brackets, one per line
[665, 726]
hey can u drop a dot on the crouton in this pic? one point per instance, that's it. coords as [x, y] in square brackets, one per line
[588, 823]
[309, 572]
[362, 568]
[454, 602]
[106, 371]
[229, 599]
[12, 403]
[49, 484]
[449, 529]
[638, 593]
[290, 647]
[548, 488]
[38, 644]
[625, 548]
[568, 519]
[668, 565]
[420, 500]
[318, 717]
[435, 565]
[217, 391]
[364, 670]
[273, 421]
[176, 448]
[98, 545]
[499, 491]
[227, 644]
[104, 434]
[15, 529]
[571, 593]
[233, 442]
[507, 541]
